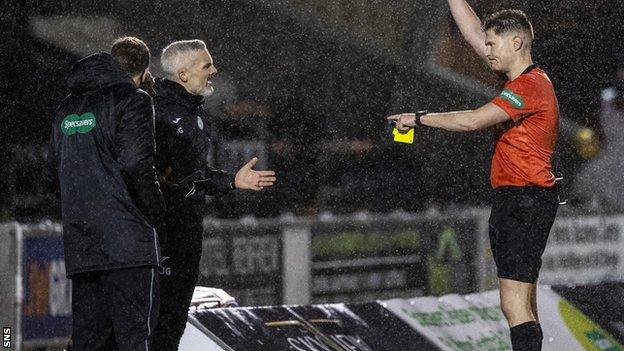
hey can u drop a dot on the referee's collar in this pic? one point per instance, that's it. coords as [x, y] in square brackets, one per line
[529, 69]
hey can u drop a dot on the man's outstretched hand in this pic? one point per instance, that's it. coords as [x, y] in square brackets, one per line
[247, 178]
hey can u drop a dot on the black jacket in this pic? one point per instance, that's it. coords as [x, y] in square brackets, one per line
[183, 142]
[102, 159]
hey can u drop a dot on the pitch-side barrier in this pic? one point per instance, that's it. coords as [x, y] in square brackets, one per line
[301, 261]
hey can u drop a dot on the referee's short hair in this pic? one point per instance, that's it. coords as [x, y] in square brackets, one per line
[132, 54]
[507, 21]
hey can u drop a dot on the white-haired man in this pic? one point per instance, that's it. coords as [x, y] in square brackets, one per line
[183, 146]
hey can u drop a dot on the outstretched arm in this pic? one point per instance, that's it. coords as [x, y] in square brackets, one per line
[469, 25]
[460, 121]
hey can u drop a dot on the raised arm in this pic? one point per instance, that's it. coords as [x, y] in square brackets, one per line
[469, 25]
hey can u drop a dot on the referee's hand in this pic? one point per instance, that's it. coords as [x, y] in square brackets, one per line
[403, 121]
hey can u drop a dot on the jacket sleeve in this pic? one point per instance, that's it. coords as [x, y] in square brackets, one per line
[136, 150]
[165, 142]
[52, 165]
[221, 182]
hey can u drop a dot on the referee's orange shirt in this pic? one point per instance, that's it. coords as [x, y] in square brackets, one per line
[525, 144]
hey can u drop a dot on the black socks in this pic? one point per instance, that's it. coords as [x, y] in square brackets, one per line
[527, 337]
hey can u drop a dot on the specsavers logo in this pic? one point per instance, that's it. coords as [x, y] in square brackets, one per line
[588, 333]
[515, 100]
[73, 124]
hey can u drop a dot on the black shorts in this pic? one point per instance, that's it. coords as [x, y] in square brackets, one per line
[520, 223]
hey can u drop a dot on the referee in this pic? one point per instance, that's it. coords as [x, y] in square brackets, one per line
[525, 202]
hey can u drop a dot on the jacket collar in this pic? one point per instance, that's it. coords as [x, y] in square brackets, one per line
[171, 90]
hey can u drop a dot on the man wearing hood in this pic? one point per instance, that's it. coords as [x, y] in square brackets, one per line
[184, 146]
[102, 161]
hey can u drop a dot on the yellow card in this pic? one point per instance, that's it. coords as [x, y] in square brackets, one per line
[406, 137]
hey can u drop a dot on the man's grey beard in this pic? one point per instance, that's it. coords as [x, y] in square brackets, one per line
[205, 91]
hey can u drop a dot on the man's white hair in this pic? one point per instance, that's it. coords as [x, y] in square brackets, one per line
[176, 55]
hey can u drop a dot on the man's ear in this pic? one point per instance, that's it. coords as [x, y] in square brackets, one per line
[183, 75]
[517, 42]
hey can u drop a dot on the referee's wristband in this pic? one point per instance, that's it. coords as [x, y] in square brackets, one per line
[419, 114]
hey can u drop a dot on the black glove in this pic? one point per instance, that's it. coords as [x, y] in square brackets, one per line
[189, 189]
[199, 184]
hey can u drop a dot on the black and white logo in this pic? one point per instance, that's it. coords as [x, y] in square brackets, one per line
[6, 337]
[200, 123]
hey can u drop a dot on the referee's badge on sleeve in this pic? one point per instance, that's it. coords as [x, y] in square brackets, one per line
[514, 99]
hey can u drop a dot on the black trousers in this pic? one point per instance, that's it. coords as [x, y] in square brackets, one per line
[114, 309]
[181, 248]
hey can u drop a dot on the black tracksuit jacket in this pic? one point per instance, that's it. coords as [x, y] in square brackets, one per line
[102, 160]
[184, 145]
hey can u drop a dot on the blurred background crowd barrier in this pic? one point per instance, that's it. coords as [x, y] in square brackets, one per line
[331, 259]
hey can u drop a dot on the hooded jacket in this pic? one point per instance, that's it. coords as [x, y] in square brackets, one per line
[102, 160]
